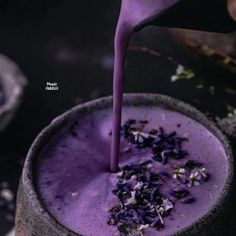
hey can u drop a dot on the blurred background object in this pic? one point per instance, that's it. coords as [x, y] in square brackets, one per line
[224, 43]
[12, 83]
[220, 48]
[232, 8]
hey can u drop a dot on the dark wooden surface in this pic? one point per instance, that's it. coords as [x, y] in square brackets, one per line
[71, 42]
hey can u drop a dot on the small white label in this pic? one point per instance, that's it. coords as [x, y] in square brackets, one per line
[51, 86]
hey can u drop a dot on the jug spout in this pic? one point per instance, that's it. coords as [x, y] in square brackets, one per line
[204, 15]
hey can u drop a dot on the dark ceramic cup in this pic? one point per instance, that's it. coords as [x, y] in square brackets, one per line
[12, 83]
[33, 219]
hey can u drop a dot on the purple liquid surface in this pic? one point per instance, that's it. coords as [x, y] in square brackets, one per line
[74, 181]
[132, 13]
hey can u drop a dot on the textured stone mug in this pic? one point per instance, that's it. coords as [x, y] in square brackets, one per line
[33, 219]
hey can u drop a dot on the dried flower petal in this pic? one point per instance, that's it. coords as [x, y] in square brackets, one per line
[140, 201]
[179, 192]
[188, 199]
[179, 173]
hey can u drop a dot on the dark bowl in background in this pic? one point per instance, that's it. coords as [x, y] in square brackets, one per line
[12, 84]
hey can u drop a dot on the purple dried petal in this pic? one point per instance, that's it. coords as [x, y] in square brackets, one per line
[155, 193]
[157, 158]
[164, 160]
[183, 179]
[206, 177]
[191, 164]
[124, 229]
[131, 122]
[154, 177]
[161, 129]
[189, 199]
[171, 135]
[179, 192]
[165, 174]
[145, 163]
[153, 132]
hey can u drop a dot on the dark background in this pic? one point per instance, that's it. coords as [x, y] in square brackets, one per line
[71, 42]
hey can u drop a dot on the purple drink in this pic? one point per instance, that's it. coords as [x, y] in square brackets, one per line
[75, 184]
[73, 175]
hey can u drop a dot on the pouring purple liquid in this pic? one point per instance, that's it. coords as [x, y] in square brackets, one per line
[134, 15]
[127, 22]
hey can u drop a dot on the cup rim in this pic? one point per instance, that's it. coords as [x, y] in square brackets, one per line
[134, 99]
